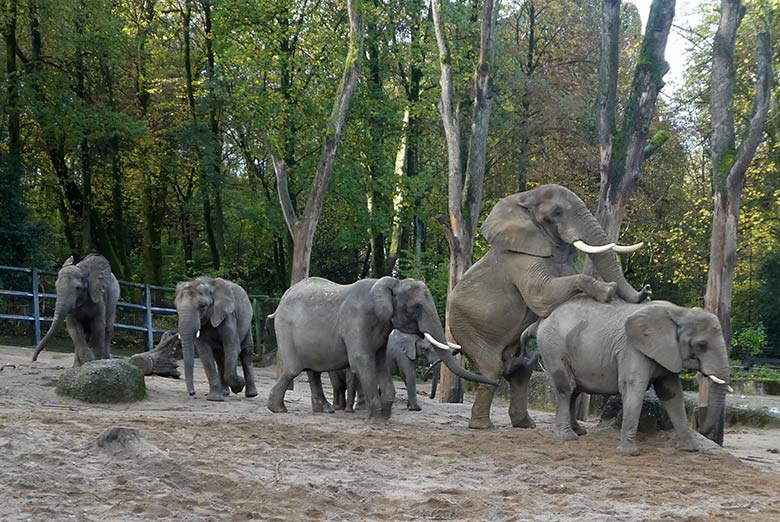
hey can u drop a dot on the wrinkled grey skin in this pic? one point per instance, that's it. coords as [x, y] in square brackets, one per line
[221, 311]
[617, 347]
[346, 388]
[87, 294]
[402, 353]
[322, 326]
[528, 272]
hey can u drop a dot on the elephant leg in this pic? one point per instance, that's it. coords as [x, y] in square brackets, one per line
[319, 404]
[231, 346]
[385, 384]
[82, 353]
[353, 388]
[364, 366]
[338, 383]
[247, 351]
[576, 427]
[98, 338]
[545, 294]
[670, 393]
[275, 401]
[410, 379]
[213, 375]
[219, 358]
[480, 410]
[108, 327]
[518, 398]
[632, 396]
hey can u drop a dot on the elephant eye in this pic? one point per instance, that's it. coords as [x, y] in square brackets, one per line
[700, 345]
[557, 212]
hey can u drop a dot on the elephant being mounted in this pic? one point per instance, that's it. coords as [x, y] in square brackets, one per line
[528, 272]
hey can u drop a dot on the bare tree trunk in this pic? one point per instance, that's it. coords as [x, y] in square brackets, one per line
[302, 229]
[464, 185]
[624, 152]
[729, 164]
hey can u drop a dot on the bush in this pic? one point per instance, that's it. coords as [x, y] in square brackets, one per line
[749, 341]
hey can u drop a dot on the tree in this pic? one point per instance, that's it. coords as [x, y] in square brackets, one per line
[302, 229]
[465, 182]
[729, 164]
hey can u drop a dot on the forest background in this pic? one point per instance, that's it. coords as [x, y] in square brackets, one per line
[140, 129]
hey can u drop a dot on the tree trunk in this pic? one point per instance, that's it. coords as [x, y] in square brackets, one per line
[302, 229]
[624, 152]
[730, 164]
[464, 192]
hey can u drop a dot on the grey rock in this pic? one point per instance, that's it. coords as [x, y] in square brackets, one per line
[103, 381]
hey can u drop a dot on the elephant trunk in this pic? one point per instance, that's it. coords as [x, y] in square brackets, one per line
[435, 382]
[189, 325]
[606, 263]
[57, 321]
[717, 370]
[717, 402]
[434, 333]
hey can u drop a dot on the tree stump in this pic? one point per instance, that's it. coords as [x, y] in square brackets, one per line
[159, 361]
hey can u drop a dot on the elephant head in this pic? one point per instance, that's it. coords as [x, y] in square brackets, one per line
[77, 285]
[550, 221]
[201, 302]
[409, 305]
[678, 338]
[421, 347]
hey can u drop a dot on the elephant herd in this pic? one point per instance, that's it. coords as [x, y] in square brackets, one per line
[594, 334]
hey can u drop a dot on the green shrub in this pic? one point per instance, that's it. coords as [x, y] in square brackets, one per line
[749, 341]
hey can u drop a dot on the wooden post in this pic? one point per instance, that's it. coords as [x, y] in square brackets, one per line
[148, 317]
[36, 311]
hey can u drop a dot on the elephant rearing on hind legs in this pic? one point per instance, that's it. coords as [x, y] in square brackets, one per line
[528, 272]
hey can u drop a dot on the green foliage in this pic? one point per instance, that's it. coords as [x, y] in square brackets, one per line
[749, 341]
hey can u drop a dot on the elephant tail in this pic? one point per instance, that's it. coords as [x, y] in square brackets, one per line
[269, 321]
[528, 334]
[522, 362]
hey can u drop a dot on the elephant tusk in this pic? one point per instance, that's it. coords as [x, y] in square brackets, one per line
[620, 249]
[590, 249]
[178, 335]
[716, 380]
[729, 389]
[197, 335]
[434, 342]
[455, 346]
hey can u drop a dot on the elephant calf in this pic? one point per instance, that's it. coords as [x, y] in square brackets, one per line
[618, 347]
[402, 352]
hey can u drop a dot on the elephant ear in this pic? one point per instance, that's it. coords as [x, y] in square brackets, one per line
[382, 296]
[68, 262]
[510, 226]
[98, 272]
[410, 348]
[653, 331]
[224, 302]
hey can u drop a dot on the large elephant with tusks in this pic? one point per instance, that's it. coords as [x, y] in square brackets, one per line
[528, 272]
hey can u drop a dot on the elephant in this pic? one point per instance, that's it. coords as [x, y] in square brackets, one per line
[346, 389]
[215, 316]
[402, 352]
[528, 272]
[324, 326]
[87, 295]
[620, 347]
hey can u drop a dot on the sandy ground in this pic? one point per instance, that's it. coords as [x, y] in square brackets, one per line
[202, 461]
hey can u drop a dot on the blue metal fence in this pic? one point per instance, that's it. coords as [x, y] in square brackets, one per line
[147, 308]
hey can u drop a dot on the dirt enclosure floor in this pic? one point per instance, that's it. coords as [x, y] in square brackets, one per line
[204, 461]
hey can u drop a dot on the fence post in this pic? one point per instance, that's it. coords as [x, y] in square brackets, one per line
[36, 309]
[148, 318]
[258, 326]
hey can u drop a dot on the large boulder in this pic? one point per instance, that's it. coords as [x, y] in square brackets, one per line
[103, 381]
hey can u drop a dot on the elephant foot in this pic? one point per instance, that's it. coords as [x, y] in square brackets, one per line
[349, 410]
[606, 292]
[226, 390]
[413, 407]
[579, 430]
[322, 407]
[480, 423]
[237, 385]
[251, 391]
[216, 396]
[688, 445]
[628, 448]
[565, 435]
[523, 422]
[387, 410]
[276, 408]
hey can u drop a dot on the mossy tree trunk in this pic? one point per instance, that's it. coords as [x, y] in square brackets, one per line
[730, 163]
[465, 182]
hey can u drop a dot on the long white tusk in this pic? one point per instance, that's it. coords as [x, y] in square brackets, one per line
[716, 380]
[434, 342]
[729, 389]
[197, 335]
[620, 249]
[178, 335]
[455, 346]
[590, 249]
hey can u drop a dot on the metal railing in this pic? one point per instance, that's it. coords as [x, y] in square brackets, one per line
[147, 308]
